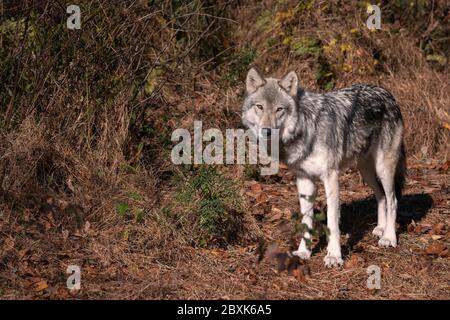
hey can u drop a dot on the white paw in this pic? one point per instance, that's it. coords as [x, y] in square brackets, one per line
[387, 242]
[302, 254]
[378, 231]
[332, 261]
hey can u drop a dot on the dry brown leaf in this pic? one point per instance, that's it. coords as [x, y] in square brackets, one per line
[40, 285]
[261, 198]
[355, 261]
[256, 188]
[439, 228]
[276, 210]
[219, 253]
[437, 249]
[276, 217]
[360, 52]
[277, 214]
[446, 166]
[419, 228]
[299, 274]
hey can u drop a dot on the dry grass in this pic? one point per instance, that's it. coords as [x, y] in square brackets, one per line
[85, 124]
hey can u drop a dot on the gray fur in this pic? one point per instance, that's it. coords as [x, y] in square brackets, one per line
[320, 134]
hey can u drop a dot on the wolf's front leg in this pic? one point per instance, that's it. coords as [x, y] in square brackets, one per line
[331, 184]
[306, 191]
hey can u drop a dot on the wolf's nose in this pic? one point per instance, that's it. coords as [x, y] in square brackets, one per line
[266, 132]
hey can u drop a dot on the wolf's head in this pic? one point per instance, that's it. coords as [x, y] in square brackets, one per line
[270, 103]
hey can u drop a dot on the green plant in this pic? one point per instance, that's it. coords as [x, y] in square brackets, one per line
[252, 172]
[122, 209]
[324, 74]
[240, 62]
[318, 230]
[127, 211]
[213, 201]
[304, 46]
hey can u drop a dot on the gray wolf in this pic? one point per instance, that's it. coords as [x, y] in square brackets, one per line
[320, 135]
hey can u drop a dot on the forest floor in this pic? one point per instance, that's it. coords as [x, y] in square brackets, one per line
[419, 268]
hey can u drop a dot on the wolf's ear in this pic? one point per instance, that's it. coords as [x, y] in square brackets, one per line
[254, 81]
[290, 83]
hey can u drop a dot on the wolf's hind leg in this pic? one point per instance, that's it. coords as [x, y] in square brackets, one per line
[306, 191]
[385, 168]
[367, 169]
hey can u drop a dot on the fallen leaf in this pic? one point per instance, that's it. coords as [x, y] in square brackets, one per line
[219, 253]
[299, 274]
[355, 261]
[276, 217]
[424, 240]
[277, 214]
[256, 188]
[276, 210]
[347, 67]
[40, 285]
[261, 198]
[446, 166]
[437, 249]
[360, 52]
[421, 229]
[439, 228]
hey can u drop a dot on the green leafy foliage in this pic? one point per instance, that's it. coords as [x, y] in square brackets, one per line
[305, 46]
[213, 201]
[324, 74]
[240, 62]
[122, 209]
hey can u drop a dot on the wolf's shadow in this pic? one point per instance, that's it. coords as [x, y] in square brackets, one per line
[360, 217]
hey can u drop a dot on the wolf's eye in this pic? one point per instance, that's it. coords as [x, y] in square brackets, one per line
[259, 106]
[280, 109]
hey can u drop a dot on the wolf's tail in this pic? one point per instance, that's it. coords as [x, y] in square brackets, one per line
[400, 173]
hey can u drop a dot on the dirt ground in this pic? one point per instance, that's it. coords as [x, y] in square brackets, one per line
[419, 268]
